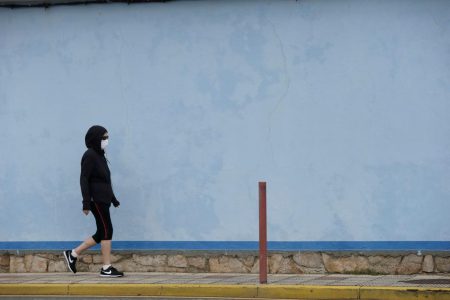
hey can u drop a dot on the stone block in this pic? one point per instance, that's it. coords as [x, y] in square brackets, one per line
[442, 264]
[117, 257]
[310, 263]
[428, 264]
[178, 261]
[38, 264]
[410, 264]
[226, 264]
[278, 264]
[50, 256]
[4, 260]
[288, 266]
[150, 260]
[82, 267]
[248, 261]
[255, 268]
[4, 263]
[197, 262]
[98, 258]
[383, 264]
[57, 266]
[17, 264]
[345, 264]
[28, 259]
[274, 263]
[86, 258]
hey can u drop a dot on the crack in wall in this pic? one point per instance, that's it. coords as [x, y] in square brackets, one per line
[287, 83]
[122, 96]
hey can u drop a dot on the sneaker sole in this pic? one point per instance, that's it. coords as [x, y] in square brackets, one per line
[113, 276]
[68, 263]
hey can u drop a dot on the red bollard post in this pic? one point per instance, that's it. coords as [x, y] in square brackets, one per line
[262, 233]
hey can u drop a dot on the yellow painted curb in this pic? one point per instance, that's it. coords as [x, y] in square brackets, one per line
[271, 291]
[406, 293]
[33, 289]
[209, 290]
[122, 289]
[185, 290]
[308, 292]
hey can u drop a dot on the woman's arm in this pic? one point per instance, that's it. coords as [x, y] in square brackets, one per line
[87, 165]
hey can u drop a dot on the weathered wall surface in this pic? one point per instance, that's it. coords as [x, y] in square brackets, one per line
[342, 106]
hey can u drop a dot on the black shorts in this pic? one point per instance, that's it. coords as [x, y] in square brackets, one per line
[103, 221]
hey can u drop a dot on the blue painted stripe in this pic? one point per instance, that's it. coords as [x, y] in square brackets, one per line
[240, 245]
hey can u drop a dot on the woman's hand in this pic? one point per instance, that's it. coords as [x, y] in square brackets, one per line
[85, 211]
[115, 202]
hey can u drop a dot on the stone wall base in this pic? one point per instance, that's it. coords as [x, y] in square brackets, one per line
[400, 263]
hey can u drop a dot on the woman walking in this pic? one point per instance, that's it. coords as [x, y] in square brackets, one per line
[96, 188]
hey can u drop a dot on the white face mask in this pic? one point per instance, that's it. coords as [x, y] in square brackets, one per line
[104, 144]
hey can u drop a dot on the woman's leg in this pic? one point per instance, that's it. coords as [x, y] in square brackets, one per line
[95, 239]
[88, 243]
[106, 252]
[105, 231]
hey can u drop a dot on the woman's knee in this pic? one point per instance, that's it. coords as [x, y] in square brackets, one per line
[97, 238]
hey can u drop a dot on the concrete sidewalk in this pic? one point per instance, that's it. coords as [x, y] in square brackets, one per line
[230, 285]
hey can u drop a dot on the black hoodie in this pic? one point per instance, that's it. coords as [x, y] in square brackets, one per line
[95, 178]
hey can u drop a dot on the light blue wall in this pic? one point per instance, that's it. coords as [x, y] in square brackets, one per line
[342, 106]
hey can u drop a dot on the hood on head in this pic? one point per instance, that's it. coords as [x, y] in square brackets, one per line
[93, 137]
